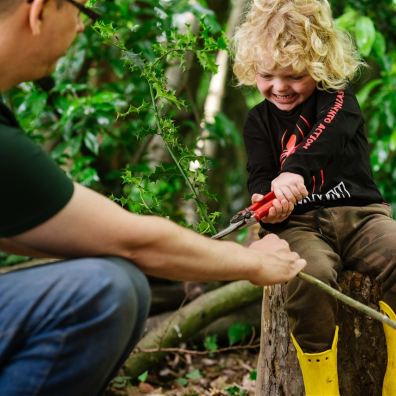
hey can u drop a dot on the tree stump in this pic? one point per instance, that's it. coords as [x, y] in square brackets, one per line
[361, 347]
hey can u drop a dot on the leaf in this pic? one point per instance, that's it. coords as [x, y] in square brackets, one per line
[365, 34]
[235, 391]
[242, 235]
[253, 375]
[91, 142]
[133, 109]
[347, 20]
[364, 93]
[120, 382]
[201, 178]
[210, 343]
[182, 381]
[390, 109]
[224, 131]
[207, 61]
[133, 59]
[143, 377]
[195, 374]
[379, 46]
[238, 332]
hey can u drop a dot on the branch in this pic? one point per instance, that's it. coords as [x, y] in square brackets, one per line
[200, 353]
[348, 300]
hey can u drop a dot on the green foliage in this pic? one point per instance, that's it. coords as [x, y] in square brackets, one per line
[377, 86]
[253, 375]
[238, 332]
[111, 97]
[182, 381]
[235, 391]
[143, 377]
[121, 382]
[210, 343]
[224, 131]
[9, 260]
[191, 376]
[194, 375]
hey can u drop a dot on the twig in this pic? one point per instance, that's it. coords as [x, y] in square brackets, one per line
[348, 300]
[193, 352]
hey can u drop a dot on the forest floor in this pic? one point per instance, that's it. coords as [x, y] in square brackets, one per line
[224, 374]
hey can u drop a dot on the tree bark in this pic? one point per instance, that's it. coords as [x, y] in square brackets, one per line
[361, 346]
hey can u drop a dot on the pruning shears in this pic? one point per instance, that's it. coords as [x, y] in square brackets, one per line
[254, 213]
[248, 216]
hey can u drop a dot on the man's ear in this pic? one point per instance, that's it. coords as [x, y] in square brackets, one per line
[35, 16]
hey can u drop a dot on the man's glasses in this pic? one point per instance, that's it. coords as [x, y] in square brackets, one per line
[89, 12]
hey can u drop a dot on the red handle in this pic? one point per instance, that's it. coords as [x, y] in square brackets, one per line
[266, 199]
[261, 208]
[263, 211]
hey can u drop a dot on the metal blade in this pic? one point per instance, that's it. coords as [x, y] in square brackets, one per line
[231, 228]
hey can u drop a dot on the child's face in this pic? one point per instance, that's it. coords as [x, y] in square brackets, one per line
[284, 88]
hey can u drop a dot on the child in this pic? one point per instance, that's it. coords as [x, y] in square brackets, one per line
[306, 143]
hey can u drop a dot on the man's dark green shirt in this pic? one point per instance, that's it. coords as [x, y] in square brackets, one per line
[33, 187]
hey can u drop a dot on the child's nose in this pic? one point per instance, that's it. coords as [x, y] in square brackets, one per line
[280, 84]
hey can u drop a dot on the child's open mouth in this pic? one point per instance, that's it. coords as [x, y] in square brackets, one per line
[284, 98]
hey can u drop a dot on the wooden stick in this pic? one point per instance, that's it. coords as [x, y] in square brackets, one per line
[348, 300]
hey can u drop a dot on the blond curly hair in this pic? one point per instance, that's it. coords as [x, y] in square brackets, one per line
[294, 33]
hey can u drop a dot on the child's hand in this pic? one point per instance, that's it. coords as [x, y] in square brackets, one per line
[279, 211]
[289, 186]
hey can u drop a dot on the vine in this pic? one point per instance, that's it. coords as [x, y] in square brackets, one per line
[162, 98]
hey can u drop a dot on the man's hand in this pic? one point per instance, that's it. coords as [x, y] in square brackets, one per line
[281, 264]
[289, 186]
[280, 210]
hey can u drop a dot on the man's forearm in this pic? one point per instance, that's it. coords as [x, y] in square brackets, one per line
[92, 225]
[177, 253]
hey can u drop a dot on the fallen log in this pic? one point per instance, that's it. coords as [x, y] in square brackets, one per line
[188, 321]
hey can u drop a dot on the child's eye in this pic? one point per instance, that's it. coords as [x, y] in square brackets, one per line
[296, 78]
[265, 76]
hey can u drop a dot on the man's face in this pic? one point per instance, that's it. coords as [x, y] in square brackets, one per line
[61, 24]
[284, 88]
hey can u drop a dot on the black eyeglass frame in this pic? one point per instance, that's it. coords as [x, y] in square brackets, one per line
[89, 12]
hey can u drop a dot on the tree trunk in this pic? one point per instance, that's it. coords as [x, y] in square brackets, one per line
[361, 347]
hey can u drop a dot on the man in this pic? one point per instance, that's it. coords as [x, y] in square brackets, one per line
[65, 328]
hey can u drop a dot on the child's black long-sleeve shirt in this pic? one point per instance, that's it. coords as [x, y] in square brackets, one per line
[323, 140]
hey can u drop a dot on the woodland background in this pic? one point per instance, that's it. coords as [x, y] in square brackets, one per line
[144, 108]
